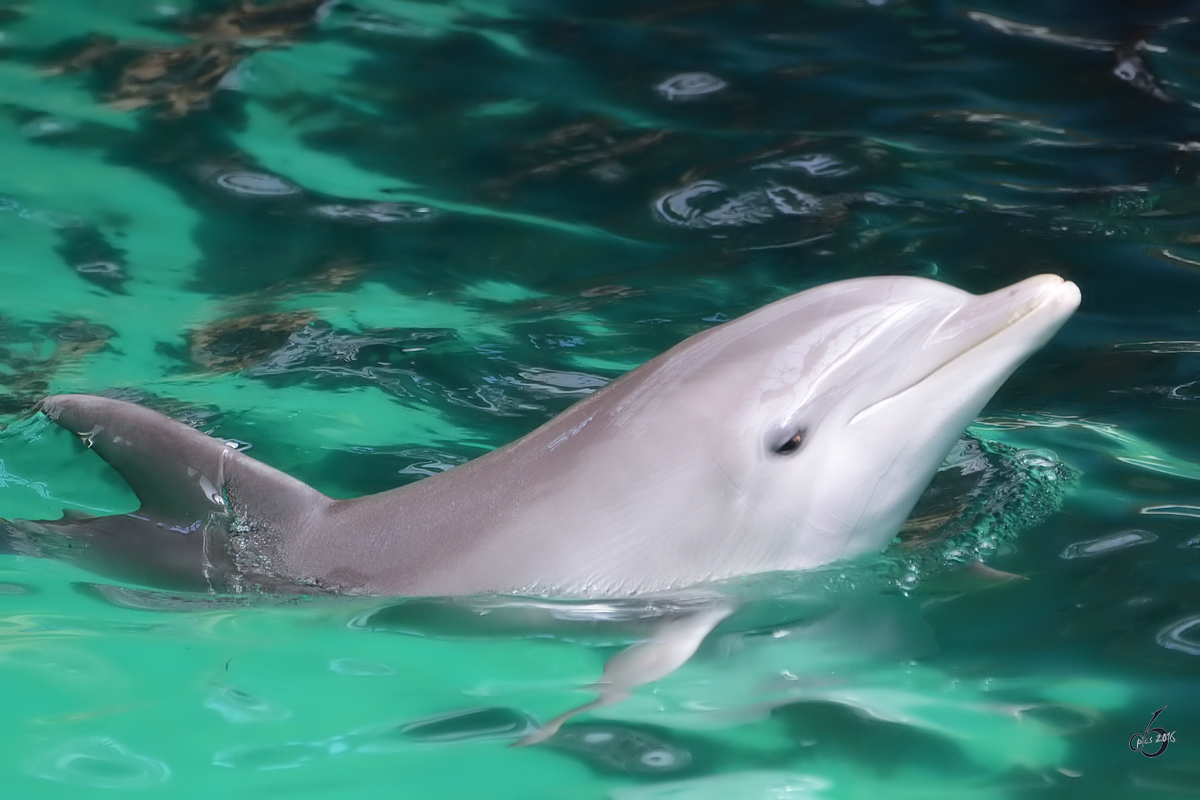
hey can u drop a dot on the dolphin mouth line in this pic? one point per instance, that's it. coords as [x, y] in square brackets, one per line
[1018, 316]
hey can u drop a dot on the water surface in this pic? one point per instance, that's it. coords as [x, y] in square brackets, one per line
[373, 240]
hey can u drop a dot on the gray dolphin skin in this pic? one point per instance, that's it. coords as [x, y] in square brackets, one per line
[792, 437]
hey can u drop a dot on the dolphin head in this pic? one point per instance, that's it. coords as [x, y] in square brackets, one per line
[798, 435]
[806, 431]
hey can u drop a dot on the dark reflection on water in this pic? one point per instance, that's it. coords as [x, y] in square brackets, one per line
[471, 725]
[634, 751]
[823, 730]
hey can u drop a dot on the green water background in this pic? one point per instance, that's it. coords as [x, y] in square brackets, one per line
[410, 232]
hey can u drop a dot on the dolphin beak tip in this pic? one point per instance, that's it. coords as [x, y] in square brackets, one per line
[1070, 294]
[1050, 288]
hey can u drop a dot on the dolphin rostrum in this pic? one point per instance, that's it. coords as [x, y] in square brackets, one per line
[799, 434]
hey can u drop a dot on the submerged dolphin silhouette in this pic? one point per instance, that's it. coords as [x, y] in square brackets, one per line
[797, 435]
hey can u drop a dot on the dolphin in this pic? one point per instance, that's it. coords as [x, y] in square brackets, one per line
[800, 434]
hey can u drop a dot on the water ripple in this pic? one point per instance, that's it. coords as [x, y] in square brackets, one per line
[709, 204]
[238, 706]
[689, 85]
[255, 184]
[621, 749]
[1172, 511]
[1108, 544]
[102, 763]
[273, 757]
[771, 784]
[376, 212]
[1182, 636]
[1040, 32]
[359, 667]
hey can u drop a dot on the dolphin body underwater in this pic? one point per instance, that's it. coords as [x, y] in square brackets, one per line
[800, 434]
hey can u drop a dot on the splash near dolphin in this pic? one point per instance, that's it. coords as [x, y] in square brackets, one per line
[797, 435]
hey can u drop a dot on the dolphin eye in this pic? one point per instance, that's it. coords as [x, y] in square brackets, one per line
[791, 445]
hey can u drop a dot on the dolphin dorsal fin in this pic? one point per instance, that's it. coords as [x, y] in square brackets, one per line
[177, 472]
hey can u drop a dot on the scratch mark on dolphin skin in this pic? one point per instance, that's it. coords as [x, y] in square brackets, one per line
[569, 434]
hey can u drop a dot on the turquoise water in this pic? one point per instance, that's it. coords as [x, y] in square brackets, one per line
[374, 240]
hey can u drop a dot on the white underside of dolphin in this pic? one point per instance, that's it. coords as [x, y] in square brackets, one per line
[792, 437]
